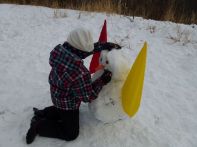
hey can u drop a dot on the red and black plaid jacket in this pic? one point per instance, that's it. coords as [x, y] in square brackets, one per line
[70, 81]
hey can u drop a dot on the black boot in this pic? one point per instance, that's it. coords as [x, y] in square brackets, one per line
[32, 132]
[50, 113]
[39, 113]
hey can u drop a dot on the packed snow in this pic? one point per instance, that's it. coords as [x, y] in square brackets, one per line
[167, 115]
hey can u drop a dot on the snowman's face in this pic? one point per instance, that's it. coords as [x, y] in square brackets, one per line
[103, 60]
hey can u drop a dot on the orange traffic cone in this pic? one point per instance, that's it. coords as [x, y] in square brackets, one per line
[95, 59]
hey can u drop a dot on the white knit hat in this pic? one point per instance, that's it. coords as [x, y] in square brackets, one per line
[81, 39]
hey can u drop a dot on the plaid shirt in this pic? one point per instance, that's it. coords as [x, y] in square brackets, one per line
[70, 81]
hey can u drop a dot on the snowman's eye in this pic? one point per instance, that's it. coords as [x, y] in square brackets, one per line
[107, 62]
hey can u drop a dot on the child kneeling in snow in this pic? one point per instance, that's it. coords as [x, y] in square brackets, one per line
[70, 84]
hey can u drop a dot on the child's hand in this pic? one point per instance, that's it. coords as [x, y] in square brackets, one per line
[106, 77]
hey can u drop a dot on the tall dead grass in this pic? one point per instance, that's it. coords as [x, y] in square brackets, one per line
[183, 11]
[101, 6]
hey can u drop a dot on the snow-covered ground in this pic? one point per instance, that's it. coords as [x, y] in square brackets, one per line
[168, 113]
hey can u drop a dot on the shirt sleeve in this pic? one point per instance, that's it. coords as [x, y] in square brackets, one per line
[85, 89]
[98, 47]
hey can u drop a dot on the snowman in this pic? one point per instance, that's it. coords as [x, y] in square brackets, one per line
[107, 107]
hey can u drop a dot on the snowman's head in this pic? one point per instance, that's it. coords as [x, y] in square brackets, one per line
[115, 62]
[103, 60]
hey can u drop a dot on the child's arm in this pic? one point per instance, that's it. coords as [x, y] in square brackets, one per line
[86, 90]
[99, 46]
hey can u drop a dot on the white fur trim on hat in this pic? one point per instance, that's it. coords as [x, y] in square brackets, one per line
[81, 39]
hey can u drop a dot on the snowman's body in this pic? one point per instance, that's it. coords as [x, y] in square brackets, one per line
[107, 107]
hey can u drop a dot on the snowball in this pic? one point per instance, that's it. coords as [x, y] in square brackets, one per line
[118, 65]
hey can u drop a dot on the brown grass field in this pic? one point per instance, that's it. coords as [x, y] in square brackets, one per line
[181, 11]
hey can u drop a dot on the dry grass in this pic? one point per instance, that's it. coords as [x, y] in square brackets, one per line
[181, 36]
[182, 11]
[101, 6]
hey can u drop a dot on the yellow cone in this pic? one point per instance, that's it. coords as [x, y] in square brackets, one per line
[133, 86]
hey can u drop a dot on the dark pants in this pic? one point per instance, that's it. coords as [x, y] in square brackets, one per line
[57, 123]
